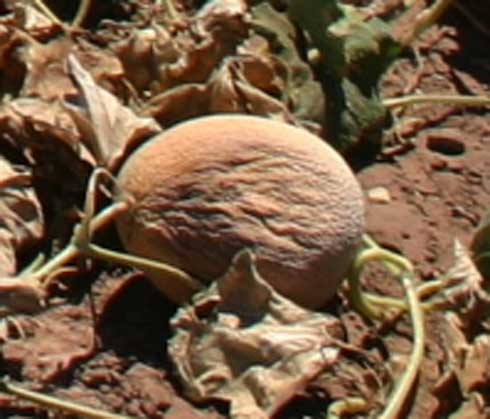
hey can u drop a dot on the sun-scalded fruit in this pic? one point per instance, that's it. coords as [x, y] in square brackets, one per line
[207, 188]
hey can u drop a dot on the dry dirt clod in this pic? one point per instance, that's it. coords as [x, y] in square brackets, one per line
[207, 188]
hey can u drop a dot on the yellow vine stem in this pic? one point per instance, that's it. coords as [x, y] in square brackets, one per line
[460, 100]
[427, 18]
[90, 225]
[72, 250]
[82, 12]
[368, 306]
[47, 11]
[57, 403]
[92, 250]
[402, 268]
[423, 290]
[406, 381]
[84, 230]
[347, 406]
[81, 245]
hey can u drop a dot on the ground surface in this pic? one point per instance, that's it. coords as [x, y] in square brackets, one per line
[105, 346]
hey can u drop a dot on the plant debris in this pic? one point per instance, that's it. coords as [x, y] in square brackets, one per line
[243, 343]
[22, 222]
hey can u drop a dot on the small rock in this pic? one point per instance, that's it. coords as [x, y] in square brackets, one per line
[438, 164]
[379, 194]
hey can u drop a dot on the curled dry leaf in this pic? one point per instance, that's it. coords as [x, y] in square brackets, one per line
[225, 60]
[182, 49]
[48, 136]
[468, 363]
[468, 359]
[465, 282]
[43, 63]
[473, 373]
[31, 121]
[108, 127]
[46, 76]
[227, 91]
[243, 343]
[21, 218]
[230, 91]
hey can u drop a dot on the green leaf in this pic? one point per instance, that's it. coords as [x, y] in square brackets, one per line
[354, 54]
[313, 16]
[361, 118]
[369, 48]
[350, 45]
[302, 93]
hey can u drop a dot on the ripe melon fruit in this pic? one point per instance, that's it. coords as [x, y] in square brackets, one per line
[207, 188]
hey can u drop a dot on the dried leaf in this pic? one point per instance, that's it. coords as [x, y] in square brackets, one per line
[53, 346]
[46, 133]
[208, 58]
[173, 105]
[230, 91]
[21, 294]
[454, 339]
[227, 91]
[465, 281]
[474, 371]
[31, 121]
[7, 41]
[242, 342]
[21, 217]
[108, 127]
[46, 75]
[184, 49]
[469, 363]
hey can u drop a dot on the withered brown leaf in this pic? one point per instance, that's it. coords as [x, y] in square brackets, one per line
[108, 127]
[240, 341]
[21, 217]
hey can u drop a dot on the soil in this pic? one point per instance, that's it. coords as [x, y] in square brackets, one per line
[104, 344]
